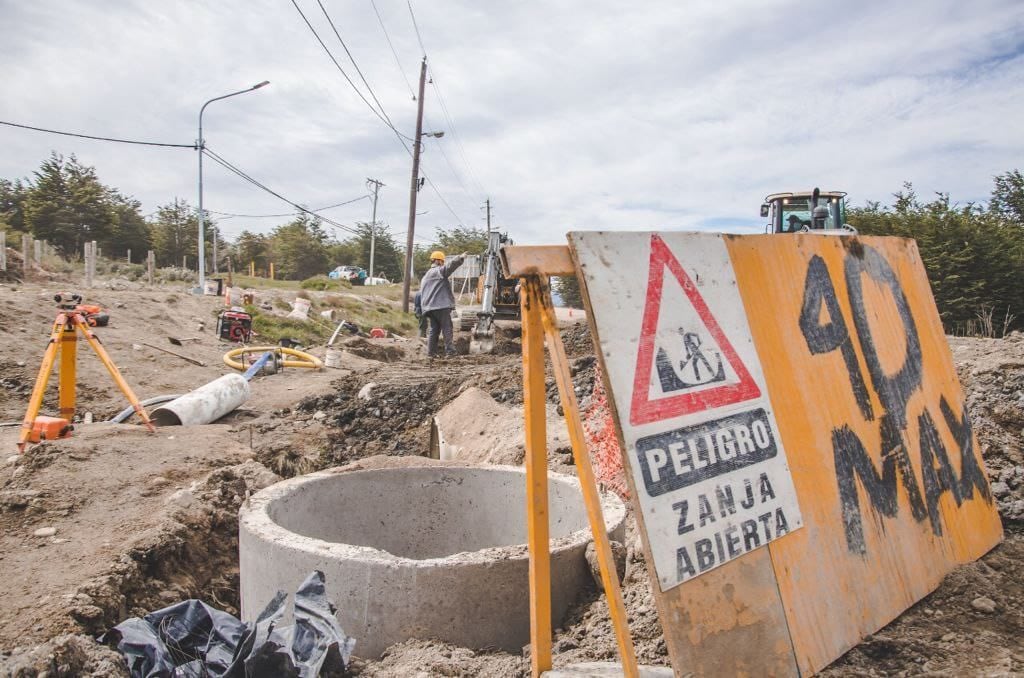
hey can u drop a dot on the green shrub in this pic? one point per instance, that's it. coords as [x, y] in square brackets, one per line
[323, 284]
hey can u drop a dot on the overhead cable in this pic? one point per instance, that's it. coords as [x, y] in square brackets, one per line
[231, 168]
[392, 46]
[288, 214]
[97, 138]
[369, 89]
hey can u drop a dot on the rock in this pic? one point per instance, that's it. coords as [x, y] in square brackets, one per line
[319, 414]
[21, 363]
[984, 604]
[364, 392]
[45, 532]
[564, 645]
[1000, 489]
[157, 481]
[182, 499]
[618, 555]
[13, 459]
[948, 637]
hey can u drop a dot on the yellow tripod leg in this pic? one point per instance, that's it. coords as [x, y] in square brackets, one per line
[94, 342]
[588, 483]
[35, 401]
[66, 383]
[537, 522]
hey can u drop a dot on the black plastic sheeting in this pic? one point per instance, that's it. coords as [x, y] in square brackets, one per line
[193, 639]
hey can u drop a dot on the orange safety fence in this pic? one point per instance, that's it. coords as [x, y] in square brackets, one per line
[602, 441]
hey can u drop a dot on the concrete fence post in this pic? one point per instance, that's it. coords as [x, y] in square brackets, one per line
[129, 255]
[25, 261]
[150, 262]
[3, 250]
[38, 247]
[86, 258]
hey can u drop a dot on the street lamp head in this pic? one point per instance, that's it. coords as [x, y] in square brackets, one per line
[262, 84]
[436, 135]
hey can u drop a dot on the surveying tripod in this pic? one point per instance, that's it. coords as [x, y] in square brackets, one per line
[64, 340]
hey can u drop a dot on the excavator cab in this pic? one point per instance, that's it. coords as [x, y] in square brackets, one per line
[814, 211]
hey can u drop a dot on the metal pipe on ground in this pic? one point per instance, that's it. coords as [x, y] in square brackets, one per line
[206, 404]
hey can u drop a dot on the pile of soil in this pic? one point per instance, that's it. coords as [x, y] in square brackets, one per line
[121, 522]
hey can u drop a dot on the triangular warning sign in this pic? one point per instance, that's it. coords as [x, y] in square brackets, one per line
[702, 372]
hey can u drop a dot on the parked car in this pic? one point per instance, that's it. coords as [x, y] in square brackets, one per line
[350, 273]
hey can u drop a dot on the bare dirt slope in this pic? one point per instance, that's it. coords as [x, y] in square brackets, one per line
[143, 520]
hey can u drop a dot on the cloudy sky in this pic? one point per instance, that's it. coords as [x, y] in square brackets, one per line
[568, 115]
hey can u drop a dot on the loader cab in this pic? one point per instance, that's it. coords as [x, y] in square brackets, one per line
[814, 211]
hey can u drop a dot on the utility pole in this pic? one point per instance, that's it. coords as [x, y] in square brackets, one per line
[413, 188]
[373, 220]
[488, 208]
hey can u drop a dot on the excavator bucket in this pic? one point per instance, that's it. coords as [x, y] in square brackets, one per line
[482, 340]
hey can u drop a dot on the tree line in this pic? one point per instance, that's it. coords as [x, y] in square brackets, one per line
[65, 203]
[973, 253]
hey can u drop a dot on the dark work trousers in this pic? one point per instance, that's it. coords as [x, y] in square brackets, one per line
[440, 321]
[423, 324]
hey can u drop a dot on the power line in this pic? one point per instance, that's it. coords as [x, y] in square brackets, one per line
[444, 108]
[392, 46]
[287, 214]
[455, 134]
[379, 114]
[227, 165]
[352, 59]
[416, 26]
[96, 138]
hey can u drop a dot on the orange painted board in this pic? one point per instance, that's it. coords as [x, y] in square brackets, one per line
[841, 345]
[872, 548]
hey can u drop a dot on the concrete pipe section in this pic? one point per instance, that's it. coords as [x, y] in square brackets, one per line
[432, 550]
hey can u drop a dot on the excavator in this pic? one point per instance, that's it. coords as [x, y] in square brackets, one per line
[497, 295]
[816, 211]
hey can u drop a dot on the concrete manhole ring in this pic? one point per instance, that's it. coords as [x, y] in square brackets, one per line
[432, 550]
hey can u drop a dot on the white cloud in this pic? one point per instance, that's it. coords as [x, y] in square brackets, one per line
[571, 114]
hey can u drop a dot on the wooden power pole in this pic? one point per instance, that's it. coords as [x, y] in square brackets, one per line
[488, 203]
[413, 188]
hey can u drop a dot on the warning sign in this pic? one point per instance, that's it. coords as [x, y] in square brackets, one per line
[708, 466]
[685, 363]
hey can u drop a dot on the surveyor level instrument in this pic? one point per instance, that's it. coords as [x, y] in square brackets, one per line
[71, 319]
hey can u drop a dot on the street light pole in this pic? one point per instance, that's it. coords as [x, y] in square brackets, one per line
[201, 146]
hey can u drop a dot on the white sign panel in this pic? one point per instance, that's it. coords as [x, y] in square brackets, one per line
[707, 461]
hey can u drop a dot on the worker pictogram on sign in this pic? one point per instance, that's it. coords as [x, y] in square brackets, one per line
[685, 362]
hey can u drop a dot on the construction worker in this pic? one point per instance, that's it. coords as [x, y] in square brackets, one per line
[417, 309]
[438, 302]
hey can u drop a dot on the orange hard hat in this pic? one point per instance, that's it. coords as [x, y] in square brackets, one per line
[437, 255]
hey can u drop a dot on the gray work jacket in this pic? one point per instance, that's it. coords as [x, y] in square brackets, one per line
[435, 292]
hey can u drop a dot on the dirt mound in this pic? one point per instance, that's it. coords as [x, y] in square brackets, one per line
[972, 620]
[477, 429]
[122, 522]
[390, 417]
[384, 350]
[992, 372]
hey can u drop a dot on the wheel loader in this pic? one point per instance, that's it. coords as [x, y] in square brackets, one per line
[497, 295]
